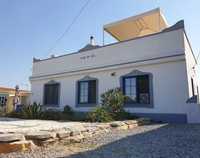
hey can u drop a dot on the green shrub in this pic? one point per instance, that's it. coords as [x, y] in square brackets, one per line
[79, 116]
[122, 115]
[99, 114]
[52, 115]
[2, 112]
[68, 110]
[14, 114]
[112, 107]
[113, 101]
[31, 111]
[66, 114]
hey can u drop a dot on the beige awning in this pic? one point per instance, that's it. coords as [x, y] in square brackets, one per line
[140, 25]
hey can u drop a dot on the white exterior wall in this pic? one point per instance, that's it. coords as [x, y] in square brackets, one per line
[170, 80]
[166, 99]
[191, 66]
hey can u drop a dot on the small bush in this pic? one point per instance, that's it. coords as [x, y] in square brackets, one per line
[68, 110]
[66, 114]
[2, 112]
[14, 114]
[31, 111]
[113, 101]
[112, 107]
[99, 114]
[122, 115]
[52, 115]
[79, 116]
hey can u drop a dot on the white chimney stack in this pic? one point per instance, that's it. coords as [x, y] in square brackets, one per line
[92, 40]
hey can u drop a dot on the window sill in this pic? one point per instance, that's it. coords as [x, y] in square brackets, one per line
[137, 105]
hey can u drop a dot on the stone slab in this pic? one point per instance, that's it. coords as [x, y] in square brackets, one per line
[117, 124]
[10, 138]
[41, 135]
[76, 139]
[63, 134]
[16, 146]
[47, 142]
[143, 121]
[75, 132]
[129, 122]
[124, 127]
[131, 126]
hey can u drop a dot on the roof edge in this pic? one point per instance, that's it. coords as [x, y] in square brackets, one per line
[13, 89]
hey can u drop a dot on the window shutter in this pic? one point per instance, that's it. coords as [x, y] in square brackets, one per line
[79, 92]
[92, 91]
[46, 91]
[143, 89]
[51, 94]
[55, 93]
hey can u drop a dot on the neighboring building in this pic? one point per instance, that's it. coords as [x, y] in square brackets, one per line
[7, 97]
[152, 63]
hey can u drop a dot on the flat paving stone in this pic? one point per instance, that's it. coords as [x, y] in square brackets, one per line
[75, 132]
[130, 122]
[10, 137]
[63, 134]
[16, 146]
[117, 124]
[41, 135]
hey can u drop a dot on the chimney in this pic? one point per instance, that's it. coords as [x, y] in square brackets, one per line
[92, 40]
[52, 56]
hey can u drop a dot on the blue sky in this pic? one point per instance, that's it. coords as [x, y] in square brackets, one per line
[30, 28]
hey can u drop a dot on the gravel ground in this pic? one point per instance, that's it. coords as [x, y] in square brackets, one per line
[152, 141]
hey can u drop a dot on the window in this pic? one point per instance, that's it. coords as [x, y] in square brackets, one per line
[87, 92]
[136, 88]
[3, 100]
[51, 94]
[130, 89]
[83, 92]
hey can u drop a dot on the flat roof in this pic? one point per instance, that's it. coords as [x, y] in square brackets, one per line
[149, 22]
[9, 90]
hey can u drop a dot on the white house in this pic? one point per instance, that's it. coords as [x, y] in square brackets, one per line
[152, 62]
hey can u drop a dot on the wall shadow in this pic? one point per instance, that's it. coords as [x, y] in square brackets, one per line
[169, 141]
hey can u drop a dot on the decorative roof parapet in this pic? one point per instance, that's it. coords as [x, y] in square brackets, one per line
[180, 24]
[35, 59]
